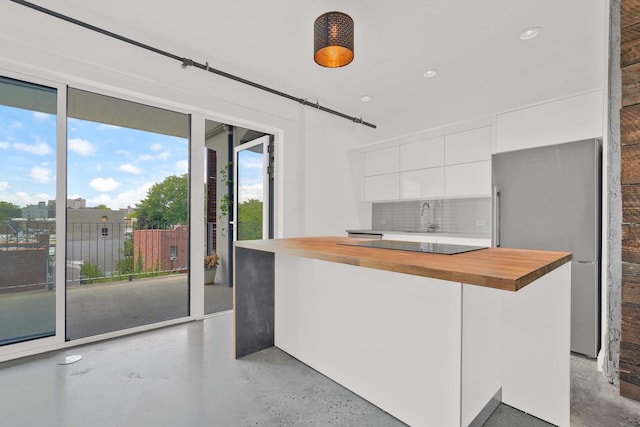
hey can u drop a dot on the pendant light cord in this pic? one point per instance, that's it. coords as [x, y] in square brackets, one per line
[186, 62]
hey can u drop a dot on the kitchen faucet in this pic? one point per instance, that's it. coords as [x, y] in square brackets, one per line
[423, 206]
[431, 226]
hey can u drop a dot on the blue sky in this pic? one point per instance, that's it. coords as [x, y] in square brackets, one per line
[250, 176]
[106, 164]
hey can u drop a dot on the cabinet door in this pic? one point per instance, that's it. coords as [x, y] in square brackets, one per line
[428, 153]
[423, 183]
[468, 179]
[469, 146]
[382, 161]
[381, 187]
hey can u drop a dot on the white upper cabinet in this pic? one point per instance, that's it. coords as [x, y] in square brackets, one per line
[381, 187]
[469, 146]
[468, 179]
[383, 161]
[450, 165]
[422, 183]
[423, 154]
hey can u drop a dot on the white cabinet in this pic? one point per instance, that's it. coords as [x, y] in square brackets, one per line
[469, 146]
[382, 187]
[422, 184]
[451, 165]
[383, 161]
[468, 179]
[423, 154]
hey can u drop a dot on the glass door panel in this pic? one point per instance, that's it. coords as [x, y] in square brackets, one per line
[252, 190]
[27, 211]
[127, 214]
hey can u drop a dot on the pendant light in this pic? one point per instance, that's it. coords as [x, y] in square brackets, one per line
[333, 40]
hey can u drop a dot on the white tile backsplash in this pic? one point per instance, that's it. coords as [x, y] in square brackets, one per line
[467, 216]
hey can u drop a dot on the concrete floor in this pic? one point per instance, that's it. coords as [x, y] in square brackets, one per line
[185, 375]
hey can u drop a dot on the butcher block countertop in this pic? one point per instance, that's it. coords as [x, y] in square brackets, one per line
[499, 268]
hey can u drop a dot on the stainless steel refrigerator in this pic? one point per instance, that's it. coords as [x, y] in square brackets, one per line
[549, 198]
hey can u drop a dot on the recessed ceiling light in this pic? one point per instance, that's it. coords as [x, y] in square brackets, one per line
[530, 33]
[366, 98]
[430, 73]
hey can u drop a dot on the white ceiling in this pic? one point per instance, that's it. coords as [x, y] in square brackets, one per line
[483, 66]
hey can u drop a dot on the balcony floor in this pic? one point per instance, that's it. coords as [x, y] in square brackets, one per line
[98, 308]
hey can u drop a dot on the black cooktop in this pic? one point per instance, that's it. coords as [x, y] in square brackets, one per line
[432, 248]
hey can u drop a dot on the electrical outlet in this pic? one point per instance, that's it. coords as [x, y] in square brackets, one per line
[481, 222]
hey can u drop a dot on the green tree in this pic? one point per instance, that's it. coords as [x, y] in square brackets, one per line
[250, 219]
[139, 262]
[166, 203]
[103, 207]
[9, 210]
[125, 264]
[90, 272]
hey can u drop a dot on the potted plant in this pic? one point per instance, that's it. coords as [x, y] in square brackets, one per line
[210, 266]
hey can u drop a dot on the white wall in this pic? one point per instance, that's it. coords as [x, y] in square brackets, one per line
[552, 122]
[331, 206]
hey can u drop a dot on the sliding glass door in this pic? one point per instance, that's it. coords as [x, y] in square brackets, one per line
[28, 212]
[127, 214]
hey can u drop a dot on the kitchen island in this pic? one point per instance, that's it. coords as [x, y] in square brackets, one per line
[432, 339]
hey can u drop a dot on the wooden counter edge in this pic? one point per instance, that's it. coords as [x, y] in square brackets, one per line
[492, 281]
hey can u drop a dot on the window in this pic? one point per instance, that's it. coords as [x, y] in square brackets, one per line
[28, 137]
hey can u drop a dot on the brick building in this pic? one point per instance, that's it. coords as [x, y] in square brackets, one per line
[161, 250]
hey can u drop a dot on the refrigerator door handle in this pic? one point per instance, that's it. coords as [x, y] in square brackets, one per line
[495, 227]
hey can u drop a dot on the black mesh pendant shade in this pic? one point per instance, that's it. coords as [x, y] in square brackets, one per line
[333, 40]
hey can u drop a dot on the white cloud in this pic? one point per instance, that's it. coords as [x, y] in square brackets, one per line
[40, 148]
[156, 147]
[4, 185]
[124, 153]
[128, 168]
[23, 199]
[4, 145]
[183, 166]
[40, 174]
[41, 117]
[160, 156]
[81, 147]
[248, 192]
[16, 125]
[122, 200]
[252, 164]
[102, 184]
